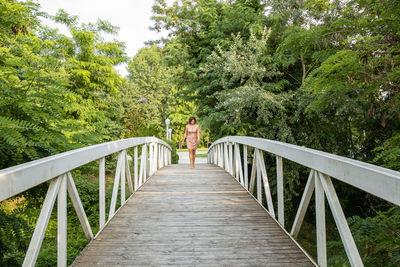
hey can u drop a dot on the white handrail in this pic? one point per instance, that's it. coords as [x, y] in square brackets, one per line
[20, 178]
[382, 182]
[57, 168]
[379, 181]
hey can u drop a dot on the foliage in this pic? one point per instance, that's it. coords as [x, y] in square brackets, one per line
[249, 99]
[57, 91]
[152, 96]
[378, 239]
[195, 29]
[388, 154]
[150, 82]
[14, 238]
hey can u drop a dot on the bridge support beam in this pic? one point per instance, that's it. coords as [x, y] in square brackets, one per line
[77, 203]
[341, 223]
[267, 188]
[279, 185]
[230, 158]
[135, 169]
[245, 168]
[305, 200]
[123, 177]
[102, 192]
[42, 222]
[128, 173]
[320, 222]
[62, 223]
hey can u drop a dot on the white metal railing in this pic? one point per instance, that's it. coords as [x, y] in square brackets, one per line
[381, 182]
[57, 169]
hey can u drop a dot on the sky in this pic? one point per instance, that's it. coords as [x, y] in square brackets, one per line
[132, 16]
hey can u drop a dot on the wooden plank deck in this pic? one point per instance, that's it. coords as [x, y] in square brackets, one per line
[192, 217]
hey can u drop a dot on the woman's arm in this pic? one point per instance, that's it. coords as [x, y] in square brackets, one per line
[184, 135]
[198, 134]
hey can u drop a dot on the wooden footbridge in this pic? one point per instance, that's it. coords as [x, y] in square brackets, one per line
[211, 215]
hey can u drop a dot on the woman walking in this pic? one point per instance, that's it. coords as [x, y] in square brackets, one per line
[192, 132]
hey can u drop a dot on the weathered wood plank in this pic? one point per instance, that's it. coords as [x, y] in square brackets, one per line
[201, 217]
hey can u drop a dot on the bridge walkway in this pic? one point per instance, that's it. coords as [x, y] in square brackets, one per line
[192, 217]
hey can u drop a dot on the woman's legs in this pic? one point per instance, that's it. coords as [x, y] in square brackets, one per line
[194, 156]
[191, 158]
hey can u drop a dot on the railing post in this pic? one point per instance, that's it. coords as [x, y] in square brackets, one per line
[279, 184]
[123, 177]
[215, 158]
[253, 172]
[62, 223]
[220, 155]
[238, 164]
[161, 156]
[259, 196]
[226, 158]
[151, 158]
[166, 156]
[147, 161]
[143, 160]
[151, 151]
[320, 222]
[128, 174]
[235, 166]
[159, 148]
[213, 155]
[217, 154]
[155, 154]
[165, 159]
[135, 169]
[214, 150]
[245, 168]
[102, 192]
[230, 159]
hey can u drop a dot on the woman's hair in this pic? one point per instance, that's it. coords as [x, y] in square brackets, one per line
[192, 118]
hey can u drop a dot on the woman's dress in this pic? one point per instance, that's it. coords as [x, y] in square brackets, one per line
[193, 135]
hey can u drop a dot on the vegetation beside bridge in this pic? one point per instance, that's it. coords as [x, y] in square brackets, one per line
[316, 73]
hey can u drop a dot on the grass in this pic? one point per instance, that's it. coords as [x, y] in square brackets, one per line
[185, 149]
[201, 155]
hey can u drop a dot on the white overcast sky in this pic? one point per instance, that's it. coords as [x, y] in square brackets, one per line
[132, 16]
